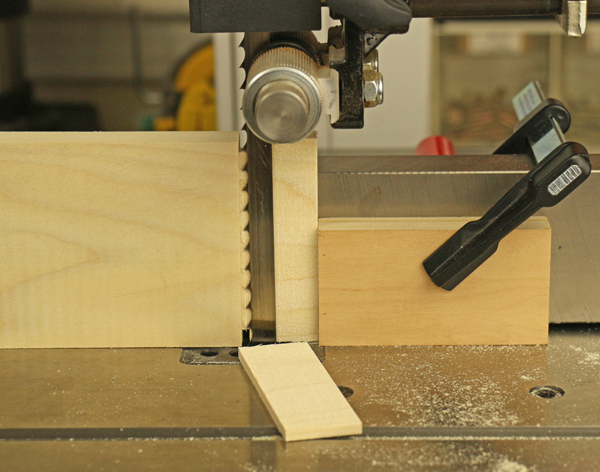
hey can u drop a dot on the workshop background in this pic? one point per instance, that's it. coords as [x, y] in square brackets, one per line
[123, 65]
[134, 61]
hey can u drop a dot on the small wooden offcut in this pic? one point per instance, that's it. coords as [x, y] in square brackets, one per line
[373, 289]
[300, 395]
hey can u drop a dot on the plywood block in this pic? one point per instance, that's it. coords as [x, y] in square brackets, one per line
[121, 240]
[373, 289]
[295, 221]
[300, 395]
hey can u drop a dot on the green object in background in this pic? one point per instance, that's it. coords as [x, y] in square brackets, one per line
[147, 123]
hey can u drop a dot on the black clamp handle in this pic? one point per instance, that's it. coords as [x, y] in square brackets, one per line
[554, 177]
[534, 127]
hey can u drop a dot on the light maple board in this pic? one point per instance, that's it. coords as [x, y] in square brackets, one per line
[300, 395]
[120, 240]
[373, 289]
[295, 221]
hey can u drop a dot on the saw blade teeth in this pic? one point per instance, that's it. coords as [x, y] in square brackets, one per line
[245, 237]
[243, 65]
[245, 216]
[246, 258]
[243, 180]
[245, 82]
[245, 220]
[244, 201]
[243, 160]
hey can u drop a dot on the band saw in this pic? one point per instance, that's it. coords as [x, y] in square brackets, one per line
[130, 287]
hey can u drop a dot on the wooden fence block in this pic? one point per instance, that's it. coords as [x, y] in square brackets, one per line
[373, 289]
[300, 395]
[121, 240]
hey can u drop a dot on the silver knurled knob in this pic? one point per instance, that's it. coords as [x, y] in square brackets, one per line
[282, 100]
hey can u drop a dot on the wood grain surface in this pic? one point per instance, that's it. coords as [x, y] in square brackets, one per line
[373, 289]
[120, 240]
[301, 397]
[295, 218]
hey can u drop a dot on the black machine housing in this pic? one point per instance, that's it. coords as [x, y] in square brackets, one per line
[365, 24]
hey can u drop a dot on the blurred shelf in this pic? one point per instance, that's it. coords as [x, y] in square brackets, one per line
[480, 65]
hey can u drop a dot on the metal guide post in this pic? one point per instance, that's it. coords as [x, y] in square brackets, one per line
[573, 17]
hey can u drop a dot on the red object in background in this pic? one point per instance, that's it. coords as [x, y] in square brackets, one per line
[435, 146]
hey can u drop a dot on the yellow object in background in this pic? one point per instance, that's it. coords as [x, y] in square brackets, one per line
[197, 110]
[194, 85]
[198, 67]
[165, 123]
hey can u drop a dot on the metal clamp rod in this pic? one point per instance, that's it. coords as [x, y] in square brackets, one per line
[489, 8]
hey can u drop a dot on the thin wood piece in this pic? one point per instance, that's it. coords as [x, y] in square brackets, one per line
[303, 400]
[373, 289]
[295, 218]
[121, 240]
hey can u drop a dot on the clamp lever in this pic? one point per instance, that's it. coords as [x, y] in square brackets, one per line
[555, 176]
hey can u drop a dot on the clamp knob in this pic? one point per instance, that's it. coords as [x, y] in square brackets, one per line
[282, 101]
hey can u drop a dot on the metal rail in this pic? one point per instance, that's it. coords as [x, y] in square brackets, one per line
[490, 8]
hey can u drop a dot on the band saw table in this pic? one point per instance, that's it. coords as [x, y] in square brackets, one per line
[423, 408]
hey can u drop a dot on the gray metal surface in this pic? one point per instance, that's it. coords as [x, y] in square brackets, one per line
[122, 388]
[281, 108]
[396, 389]
[413, 186]
[423, 408]
[474, 390]
[573, 17]
[490, 8]
[333, 455]
[226, 355]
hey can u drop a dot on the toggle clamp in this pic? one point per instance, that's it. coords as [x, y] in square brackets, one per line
[560, 167]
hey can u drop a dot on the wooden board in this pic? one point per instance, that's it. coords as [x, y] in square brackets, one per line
[300, 395]
[295, 221]
[120, 240]
[373, 289]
